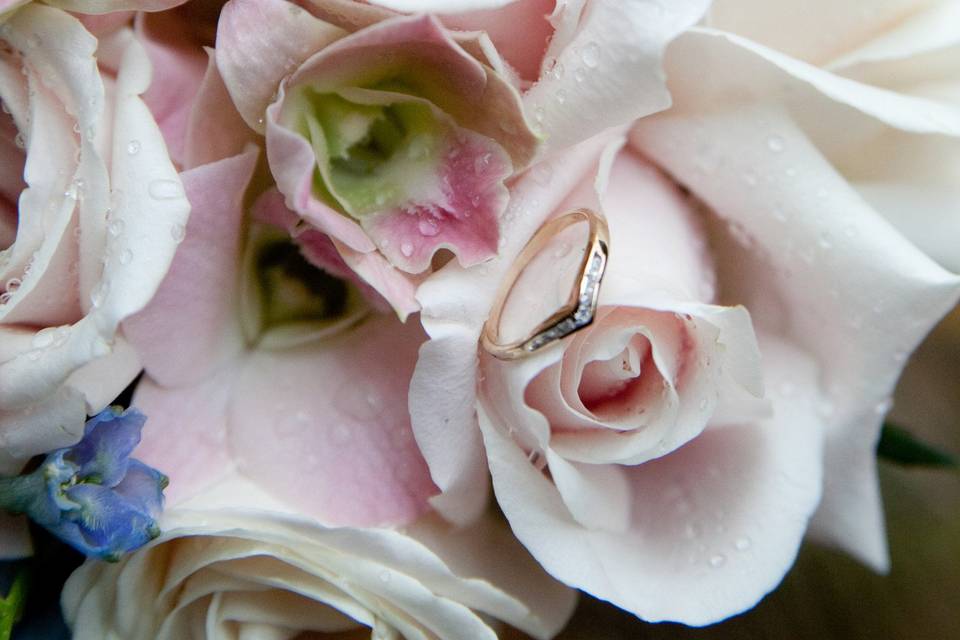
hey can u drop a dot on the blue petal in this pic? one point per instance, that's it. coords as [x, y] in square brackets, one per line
[108, 440]
[106, 525]
[143, 487]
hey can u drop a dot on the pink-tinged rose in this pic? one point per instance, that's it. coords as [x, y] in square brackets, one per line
[278, 400]
[395, 134]
[669, 457]
[246, 337]
[236, 561]
[90, 216]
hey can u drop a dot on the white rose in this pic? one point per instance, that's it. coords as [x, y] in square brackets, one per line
[234, 565]
[88, 232]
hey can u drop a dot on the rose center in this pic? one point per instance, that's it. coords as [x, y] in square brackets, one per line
[374, 147]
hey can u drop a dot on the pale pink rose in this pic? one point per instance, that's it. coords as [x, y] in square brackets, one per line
[277, 397]
[90, 216]
[635, 460]
[396, 133]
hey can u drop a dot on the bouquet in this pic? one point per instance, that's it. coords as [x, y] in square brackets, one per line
[419, 318]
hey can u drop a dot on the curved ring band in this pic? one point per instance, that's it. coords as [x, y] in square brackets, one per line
[581, 306]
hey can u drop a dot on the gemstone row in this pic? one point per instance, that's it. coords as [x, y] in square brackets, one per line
[582, 316]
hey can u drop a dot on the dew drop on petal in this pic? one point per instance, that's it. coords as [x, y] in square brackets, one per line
[482, 163]
[406, 249]
[126, 256]
[428, 227]
[591, 55]
[44, 338]
[742, 544]
[775, 144]
[178, 232]
[718, 560]
[99, 293]
[165, 189]
[133, 147]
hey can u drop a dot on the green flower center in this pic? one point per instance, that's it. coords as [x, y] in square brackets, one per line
[375, 150]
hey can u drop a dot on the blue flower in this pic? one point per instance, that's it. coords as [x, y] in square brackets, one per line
[92, 495]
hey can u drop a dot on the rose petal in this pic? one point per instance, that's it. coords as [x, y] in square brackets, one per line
[824, 272]
[258, 43]
[519, 30]
[189, 328]
[611, 62]
[337, 414]
[180, 66]
[215, 129]
[709, 531]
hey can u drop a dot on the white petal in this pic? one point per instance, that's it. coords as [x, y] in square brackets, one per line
[612, 66]
[714, 525]
[808, 271]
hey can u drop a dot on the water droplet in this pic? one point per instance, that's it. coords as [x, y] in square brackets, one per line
[482, 163]
[406, 249]
[20, 141]
[428, 227]
[164, 189]
[703, 404]
[561, 96]
[13, 284]
[126, 256]
[563, 250]
[133, 147]
[539, 114]
[718, 560]
[590, 55]
[5, 298]
[580, 74]
[775, 144]
[115, 226]
[385, 576]
[99, 293]
[91, 132]
[178, 232]
[260, 121]
[44, 338]
[742, 544]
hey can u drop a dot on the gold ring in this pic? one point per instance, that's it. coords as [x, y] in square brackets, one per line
[581, 306]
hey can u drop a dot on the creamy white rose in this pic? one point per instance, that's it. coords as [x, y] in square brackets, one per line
[223, 571]
[91, 212]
